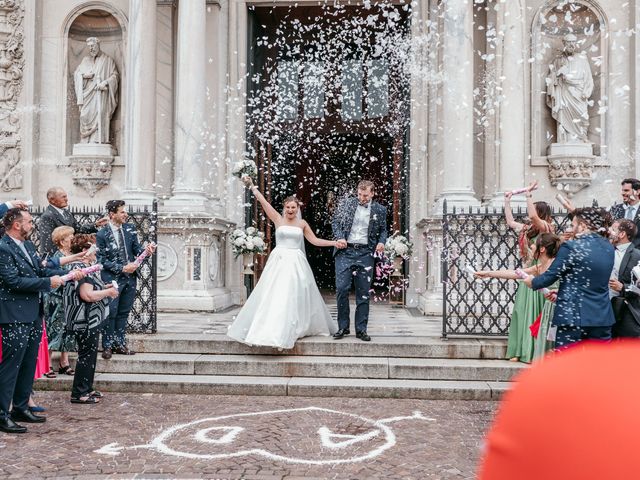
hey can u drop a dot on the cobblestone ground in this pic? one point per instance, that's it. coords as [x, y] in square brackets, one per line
[233, 437]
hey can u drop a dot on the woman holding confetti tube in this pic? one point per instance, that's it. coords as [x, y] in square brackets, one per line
[528, 304]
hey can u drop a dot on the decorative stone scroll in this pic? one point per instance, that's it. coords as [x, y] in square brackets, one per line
[11, 82]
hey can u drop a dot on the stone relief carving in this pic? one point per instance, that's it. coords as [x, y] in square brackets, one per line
[91, 173]
[167, 261]
[11, 82]
[214, 262]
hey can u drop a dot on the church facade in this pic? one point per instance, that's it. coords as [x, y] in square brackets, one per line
[455, 101]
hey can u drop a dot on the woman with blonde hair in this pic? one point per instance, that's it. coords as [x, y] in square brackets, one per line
[59, 339]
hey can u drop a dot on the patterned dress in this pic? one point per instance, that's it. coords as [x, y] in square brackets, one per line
[59, 339]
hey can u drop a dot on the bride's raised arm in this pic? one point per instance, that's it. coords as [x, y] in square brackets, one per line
[271, 212]
[313, 240]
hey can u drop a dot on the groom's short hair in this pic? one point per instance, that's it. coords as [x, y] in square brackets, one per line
[366, 184]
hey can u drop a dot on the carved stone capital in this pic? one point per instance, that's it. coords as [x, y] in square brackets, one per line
[91, 172]
[571, 173]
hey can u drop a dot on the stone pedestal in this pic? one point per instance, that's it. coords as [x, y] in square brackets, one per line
[91, 165]
[571, 166]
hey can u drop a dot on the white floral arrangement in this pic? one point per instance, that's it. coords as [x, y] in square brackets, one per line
[248, 240]
[398, 246]
[245, 167]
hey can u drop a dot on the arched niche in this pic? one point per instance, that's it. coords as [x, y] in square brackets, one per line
[555, 19]
[108, 28]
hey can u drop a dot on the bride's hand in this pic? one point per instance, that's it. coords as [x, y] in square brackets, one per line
[247, 181]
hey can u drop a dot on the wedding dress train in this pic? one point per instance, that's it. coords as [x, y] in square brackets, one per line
[285, 304]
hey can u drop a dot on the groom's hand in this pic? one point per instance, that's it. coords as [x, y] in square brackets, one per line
[380, 248]
[342, 243]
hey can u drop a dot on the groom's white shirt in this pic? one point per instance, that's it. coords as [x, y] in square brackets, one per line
[360, 227]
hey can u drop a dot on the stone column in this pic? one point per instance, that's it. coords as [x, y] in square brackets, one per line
[141, 104]
[457, 96]
[512, 156]
[188, 190]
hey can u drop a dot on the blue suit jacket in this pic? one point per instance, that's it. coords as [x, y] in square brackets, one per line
[21, 282]
[3, 209]
[583, 267]
[109, 255]
[343, 220]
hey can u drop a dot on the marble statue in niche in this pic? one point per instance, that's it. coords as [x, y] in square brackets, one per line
[96, 89]
[569, 88]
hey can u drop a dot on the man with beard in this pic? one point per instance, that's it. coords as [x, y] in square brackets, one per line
[626, 304]
[629, 208]
[23, 279]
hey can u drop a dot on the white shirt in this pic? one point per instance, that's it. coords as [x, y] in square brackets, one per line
[621, 250]
[359, 233]
[61, 211]
[633, 208]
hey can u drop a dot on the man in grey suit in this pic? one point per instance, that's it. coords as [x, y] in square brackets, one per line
[56, 215]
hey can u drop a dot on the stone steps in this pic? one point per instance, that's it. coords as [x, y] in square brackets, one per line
[310, 366]
[394, 366]
[289, 386]
[380, 346]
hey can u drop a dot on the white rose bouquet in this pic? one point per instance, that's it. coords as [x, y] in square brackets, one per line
[248, 240]
[398, 246]
[245, 167]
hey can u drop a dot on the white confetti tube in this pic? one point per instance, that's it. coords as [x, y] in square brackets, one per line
[469, 269]
[85, 270]
[563, 201]
[523, 275]
[115, 284]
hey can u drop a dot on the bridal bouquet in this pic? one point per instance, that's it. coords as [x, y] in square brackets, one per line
[245, 167]
[248, 240]
[398, 246]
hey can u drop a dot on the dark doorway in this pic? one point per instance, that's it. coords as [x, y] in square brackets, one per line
[328, 106]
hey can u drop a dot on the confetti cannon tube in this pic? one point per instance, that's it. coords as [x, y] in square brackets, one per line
[522, 275]
[85, 270]
[140, 258]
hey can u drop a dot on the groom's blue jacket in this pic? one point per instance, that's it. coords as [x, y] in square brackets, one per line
[343, 219]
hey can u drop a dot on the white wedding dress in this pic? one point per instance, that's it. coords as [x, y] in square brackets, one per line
[285, 304]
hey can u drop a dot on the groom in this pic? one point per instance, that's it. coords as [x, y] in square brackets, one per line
[360, 228]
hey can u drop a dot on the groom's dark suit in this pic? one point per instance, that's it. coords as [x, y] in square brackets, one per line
[356, 261]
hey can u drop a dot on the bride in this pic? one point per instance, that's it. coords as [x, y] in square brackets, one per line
[285, 304]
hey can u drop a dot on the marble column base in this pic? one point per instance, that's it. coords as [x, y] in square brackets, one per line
[139, 197]
[195, 300]
[455, 198]
[497, 201]
[187, 203]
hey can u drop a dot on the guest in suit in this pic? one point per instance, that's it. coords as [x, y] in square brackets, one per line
[629, 209]
[118, 247]
[626, 305]
[22, 280]
[360, 228]
[583, 266]
[56, 215]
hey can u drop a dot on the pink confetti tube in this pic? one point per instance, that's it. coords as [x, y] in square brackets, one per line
[518, 191]
[140, 258]
[85, 270]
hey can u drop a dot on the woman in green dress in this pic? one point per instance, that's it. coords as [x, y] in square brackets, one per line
[528, 303]
[59, 339]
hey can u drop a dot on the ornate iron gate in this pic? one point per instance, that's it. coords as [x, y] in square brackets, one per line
[143, 316]
[481, 239]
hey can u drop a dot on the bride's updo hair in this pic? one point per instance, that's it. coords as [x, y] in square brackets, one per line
[291, 198]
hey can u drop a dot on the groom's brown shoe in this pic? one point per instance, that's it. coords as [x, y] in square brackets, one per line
[341, 333]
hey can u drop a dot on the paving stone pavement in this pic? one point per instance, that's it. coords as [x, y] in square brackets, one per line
[259, 438]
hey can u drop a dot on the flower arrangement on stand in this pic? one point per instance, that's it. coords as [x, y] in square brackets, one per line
[247, 242]
[245, 168]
